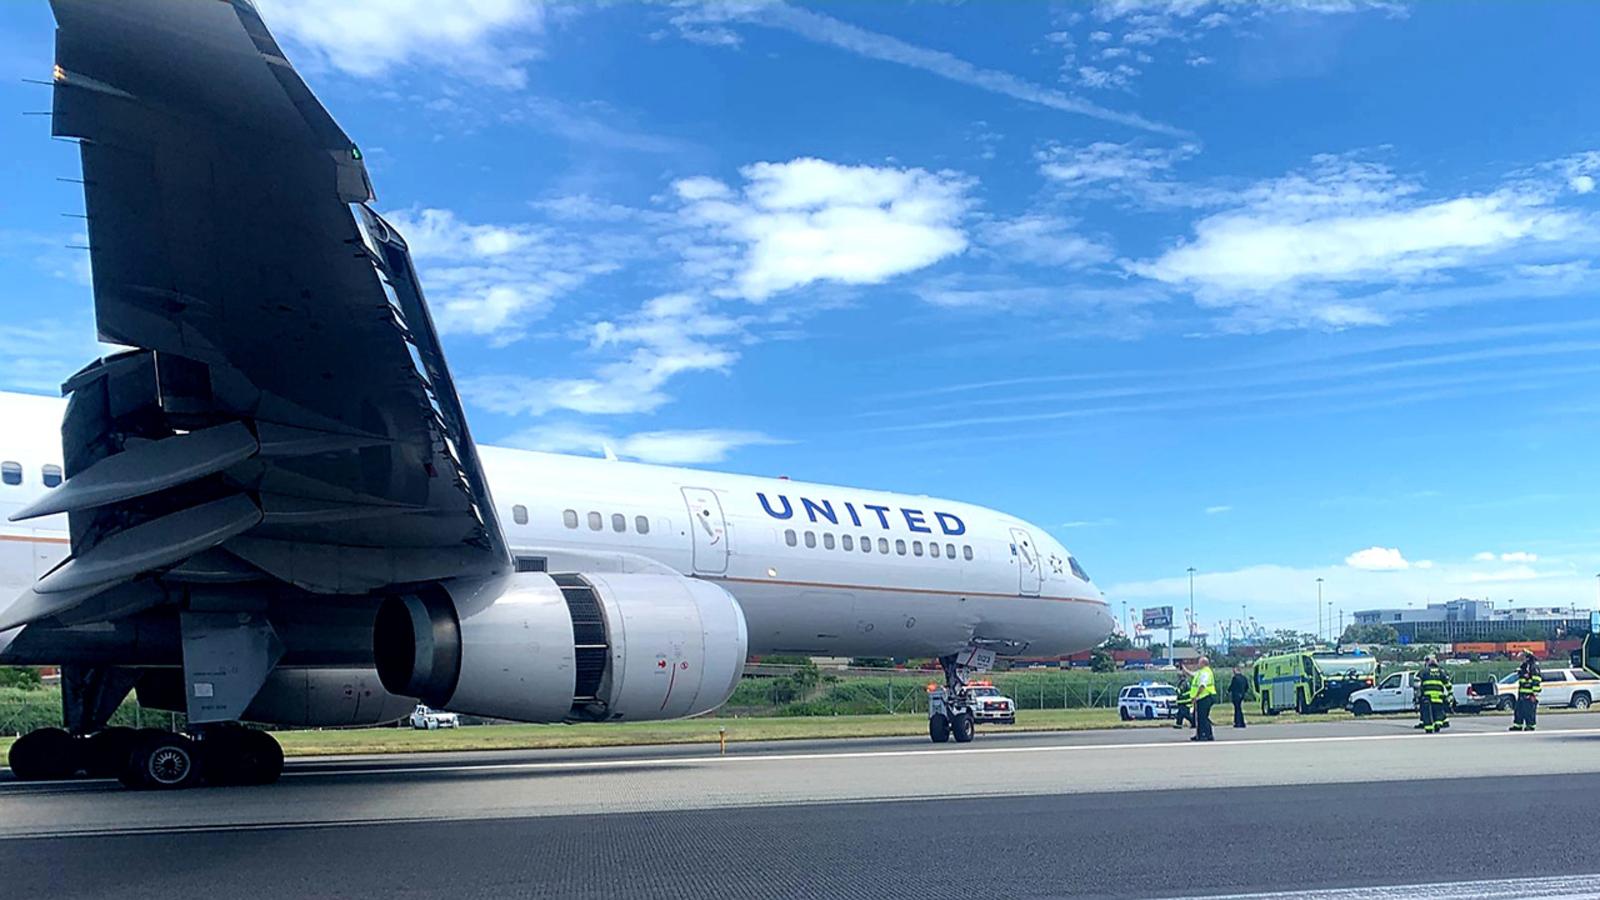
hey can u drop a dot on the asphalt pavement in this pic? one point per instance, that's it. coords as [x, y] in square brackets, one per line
[1283, 808]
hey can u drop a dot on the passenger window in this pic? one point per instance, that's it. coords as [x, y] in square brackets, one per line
[595, 522]
[847, 542]
[790, 538]
[1392, 682]
[1584, 676]
[641, 524]
[1554, 677]
[811, 540]
[966, 552]
[916, 548]
[52, 475]
[900, 547]
[570, 518]
[950, 550]
[11, 472]
[1136, 694]
[933, 550]
[827, 540]
[883, 546]
[519, 514]
[866, 544]
[619, 522]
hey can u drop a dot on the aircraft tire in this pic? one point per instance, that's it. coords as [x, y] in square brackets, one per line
[162, 760]
[961, 728]
[105, 752]
[44, 754]
[241, 756]
[939, 728]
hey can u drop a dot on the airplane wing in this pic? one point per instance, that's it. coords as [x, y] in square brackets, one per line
[284, 413]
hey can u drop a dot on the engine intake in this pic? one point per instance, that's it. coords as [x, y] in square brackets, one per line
[596, 647]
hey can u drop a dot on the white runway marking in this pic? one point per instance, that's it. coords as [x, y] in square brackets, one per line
[1567, 886]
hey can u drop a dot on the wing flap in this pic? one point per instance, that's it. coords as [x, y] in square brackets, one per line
[283, 357]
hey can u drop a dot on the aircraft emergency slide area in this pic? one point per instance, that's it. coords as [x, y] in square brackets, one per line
[270, 508]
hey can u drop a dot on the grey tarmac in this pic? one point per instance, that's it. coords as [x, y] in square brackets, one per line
[1286, 808]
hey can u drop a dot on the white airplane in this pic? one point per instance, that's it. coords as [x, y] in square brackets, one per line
[271, 509]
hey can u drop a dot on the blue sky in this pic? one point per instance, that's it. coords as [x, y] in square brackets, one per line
[1278, 292]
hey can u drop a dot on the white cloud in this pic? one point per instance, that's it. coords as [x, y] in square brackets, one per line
[1148, 24]
[809, 220]
[686, 447]
[1315, 247]
[485, 40]
[669, 336]
[1377, 559]
[1043, 240]
[1515, 556]
[1218, 510]
[1582, 184]
[707, 23]
[1104, 162]
[493, 280]
[38, 356]
[1120, 305]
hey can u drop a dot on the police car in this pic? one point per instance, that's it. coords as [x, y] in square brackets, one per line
[991, 706]
[425, 719]
[1147, 700]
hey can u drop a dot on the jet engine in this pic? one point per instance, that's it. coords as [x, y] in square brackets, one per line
[555, 647]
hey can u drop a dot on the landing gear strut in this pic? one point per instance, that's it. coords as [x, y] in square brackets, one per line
[950, 707]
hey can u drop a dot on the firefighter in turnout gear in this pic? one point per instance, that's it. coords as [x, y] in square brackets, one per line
[1185, 702]
[1529, 683]
[1431, 680]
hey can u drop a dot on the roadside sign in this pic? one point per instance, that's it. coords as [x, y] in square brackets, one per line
[1158, 617]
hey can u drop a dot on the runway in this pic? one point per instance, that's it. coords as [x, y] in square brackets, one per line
[1286, 807]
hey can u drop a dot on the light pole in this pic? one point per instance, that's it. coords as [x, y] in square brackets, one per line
[1191, 604]
[1319, 609]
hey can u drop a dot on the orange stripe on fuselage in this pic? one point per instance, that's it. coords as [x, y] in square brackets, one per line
[29, 539]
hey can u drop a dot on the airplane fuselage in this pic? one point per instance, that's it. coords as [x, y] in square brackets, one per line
[818, 569]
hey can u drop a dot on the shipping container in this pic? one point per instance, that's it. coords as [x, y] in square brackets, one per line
[1515, 648]
[1477, 649]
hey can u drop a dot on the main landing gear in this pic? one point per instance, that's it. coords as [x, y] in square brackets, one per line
[950, 707]
[150, 758]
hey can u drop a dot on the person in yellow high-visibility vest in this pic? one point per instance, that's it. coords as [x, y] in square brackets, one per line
[1204, 689]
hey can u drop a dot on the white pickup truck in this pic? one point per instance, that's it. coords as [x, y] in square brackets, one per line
[1397, 693]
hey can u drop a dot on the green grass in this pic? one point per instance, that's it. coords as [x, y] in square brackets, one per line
[351, 741]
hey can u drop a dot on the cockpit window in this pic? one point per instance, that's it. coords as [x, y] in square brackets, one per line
[1077, 569]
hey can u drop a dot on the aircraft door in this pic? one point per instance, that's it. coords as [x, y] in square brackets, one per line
[1027, 555]
[710, 530]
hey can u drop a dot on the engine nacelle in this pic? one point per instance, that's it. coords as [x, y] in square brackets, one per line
[597, 647]
[322, 698]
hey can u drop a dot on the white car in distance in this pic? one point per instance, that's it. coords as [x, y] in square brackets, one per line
[425, 719]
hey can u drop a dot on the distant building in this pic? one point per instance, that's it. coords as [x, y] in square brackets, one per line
[1468, 620]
